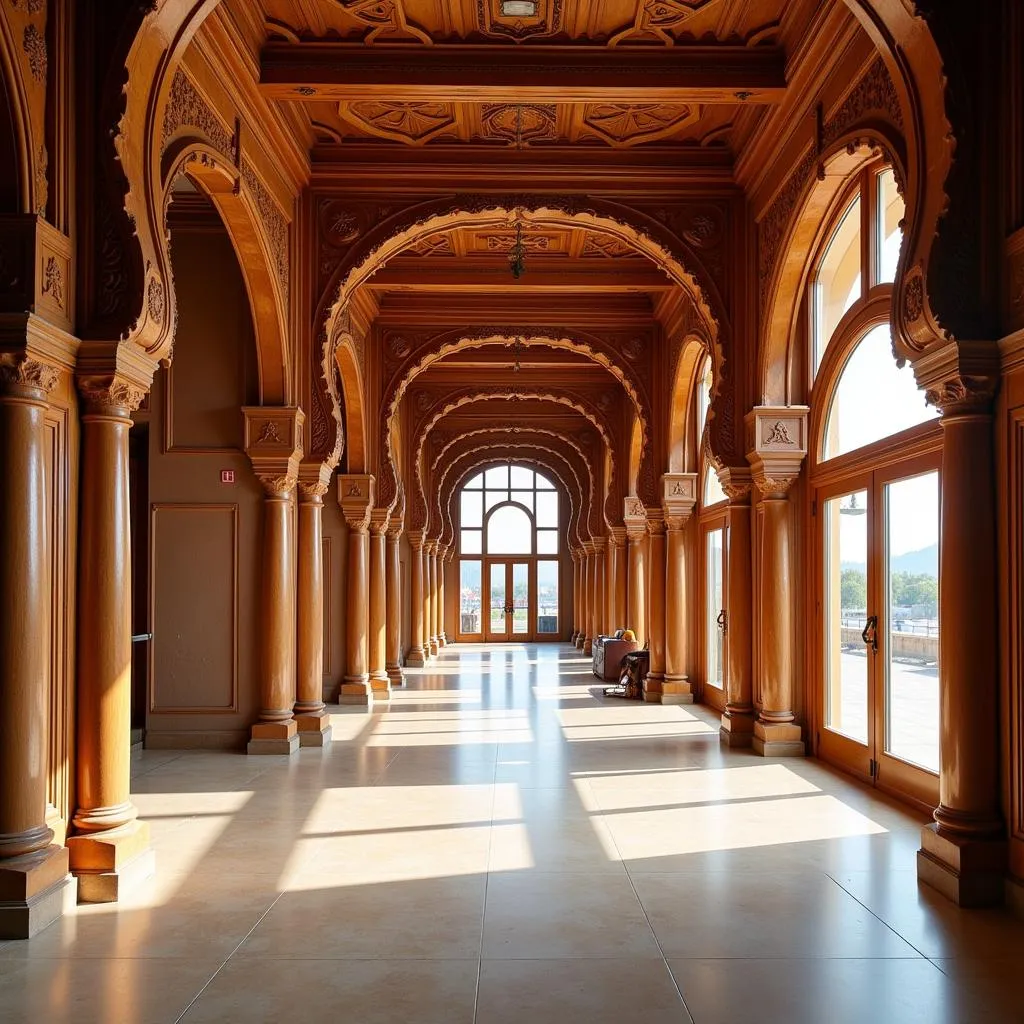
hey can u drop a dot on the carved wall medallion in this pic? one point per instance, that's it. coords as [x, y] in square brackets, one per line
[53, 281]
[155, 300]
[778, 433]
[633, 349]
[913, 299]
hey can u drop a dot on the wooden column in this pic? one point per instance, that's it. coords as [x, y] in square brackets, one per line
[777, 444]
[617, 542]
[419, 652]
[377, 645]
[679, 492]
[963, 854]
[636, 532]
[33, 871]
[110, 850]
[610, 619]
[311, 717]
[581, 635]
[588, 598]
[431, 604]
[600, 600]
[655, 678]
[575, 596]
[442, 557]
[737, 727]
[355, 493]
[393, 586]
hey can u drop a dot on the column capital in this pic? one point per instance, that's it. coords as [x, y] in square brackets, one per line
[599, 544]
[273, 442]
[737, 482]
[19, 370]
[959, 377]
[314, 481]
[396, 527]
[678, 497]
[634, 516]
[114, 375]
[416, 540]
[355, 495]
[617, 536]
[656, 523]
[379, 520]
[776, 445]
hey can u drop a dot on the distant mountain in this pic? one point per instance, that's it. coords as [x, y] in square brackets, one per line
[924, 560]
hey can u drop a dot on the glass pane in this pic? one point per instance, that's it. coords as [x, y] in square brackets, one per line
[522, 477]
[543, 483]
[703, 396]
[498, 598]
[475, 482]
[469, 597]
[713, 492]
[837, 286]
[547, 597]
[471, 541]
[520, 598]
[524, 498]
[509, 532]
[547, 509]
[912, 620]
[846, 602]
[713, 608]
[547, 542]
[472, 508]
[890, 235]
[494, 498]
[874, 398]
[497, 476]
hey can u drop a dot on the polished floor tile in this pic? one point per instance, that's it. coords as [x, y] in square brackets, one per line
[502, 844]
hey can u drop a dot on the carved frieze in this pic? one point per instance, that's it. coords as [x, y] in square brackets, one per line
[275, 225]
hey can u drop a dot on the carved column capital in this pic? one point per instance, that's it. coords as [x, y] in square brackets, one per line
[379, 519]
[18, 370]
[314, 481]
[598, 544]
[273, 442]
[737, 483]
[678, 497]
[963, 394]
[355, 495]
[113, 377]
[110, 393]
[617, 536]
[776, 446]
[655, 522]
[396, 527]
[959, 377]
[634, 516]
[416, 540]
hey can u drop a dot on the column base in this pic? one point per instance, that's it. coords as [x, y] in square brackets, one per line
[433, 647]
[676, 690]
[442, 640]
[653, 683]
[35, 890]
[315, 729]
[356, 690]
[579, 642]
[588, 646]
[111, 864]
[777, 740]
[274, 738]
[969, 872]
[381, 686]
[396, 677]
[416, 658]
[737, 729]
[572, 639]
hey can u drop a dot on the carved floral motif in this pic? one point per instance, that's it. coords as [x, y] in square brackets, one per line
[19, 370]
[156, 300]
[778, 434]
[913, 299]
[269, 433]
[274, 224]
[53, 281]
[111, 393]
[34, 44]
[186, 107]
[527, 122]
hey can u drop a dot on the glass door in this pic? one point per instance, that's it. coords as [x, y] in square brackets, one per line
[511, 601]
[878, 609]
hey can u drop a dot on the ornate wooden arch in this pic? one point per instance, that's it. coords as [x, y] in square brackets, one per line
[221, 181]
[571, 457]
[602, 349]
[473, 460]
[353, 436]
[26, 105]
[458, 399]
[683, 455]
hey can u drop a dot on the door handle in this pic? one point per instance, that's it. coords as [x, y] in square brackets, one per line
[870, 633]
[723, 622]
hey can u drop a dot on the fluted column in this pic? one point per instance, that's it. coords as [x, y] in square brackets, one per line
[588, 601]
[420, 650]
[738, 720]
[431, 609]
[963, 854]
[442, 557]
[636, 532]
[355, 494]
[30, 864]
[111, 847]
[377, 644]
[655, 678]
[393, 586]
[617, 542]
[778, 436]
[311, 717]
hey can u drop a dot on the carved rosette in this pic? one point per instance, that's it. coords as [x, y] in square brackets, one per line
[273, 442]
[356, 497]
[19, 371]
[776, 446]
[678, 498]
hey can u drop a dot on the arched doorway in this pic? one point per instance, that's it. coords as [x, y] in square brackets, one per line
[509, 541]
[874, 470]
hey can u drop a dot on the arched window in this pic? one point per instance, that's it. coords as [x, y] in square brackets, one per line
[874, 498]
[508, 554]
[711, 493]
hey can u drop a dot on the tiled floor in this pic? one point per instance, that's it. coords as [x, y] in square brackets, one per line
[500, 845]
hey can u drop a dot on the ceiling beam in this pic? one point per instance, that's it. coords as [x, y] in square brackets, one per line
[569, 74]
[436, 276]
